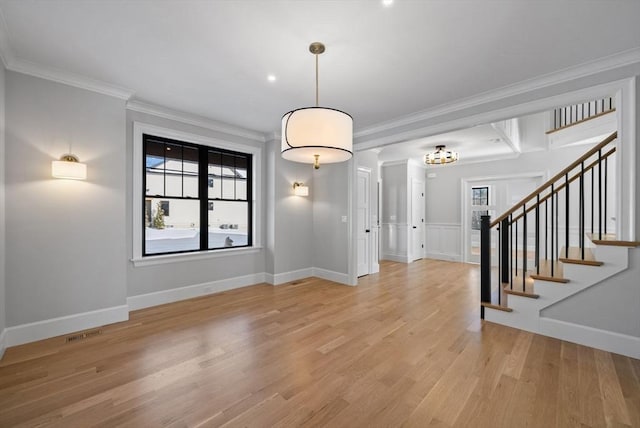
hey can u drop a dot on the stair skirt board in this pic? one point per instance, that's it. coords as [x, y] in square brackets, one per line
[526, 312]
[582, 335]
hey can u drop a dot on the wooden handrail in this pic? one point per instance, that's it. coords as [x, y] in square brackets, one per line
[563, 185]
[578, 122]
[555, 178]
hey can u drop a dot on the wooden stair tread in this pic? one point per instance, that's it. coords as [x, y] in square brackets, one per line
[610, 239]
[492, 306]
[550, 278]
[574, 256]
[545, 272]
[520, 293]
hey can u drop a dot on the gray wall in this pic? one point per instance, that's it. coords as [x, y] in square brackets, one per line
[331, 202]
[394, 193]
[612, 305]
[448, 207]
[2, 205]
[66, 243]
[290, 229]
[148, 279]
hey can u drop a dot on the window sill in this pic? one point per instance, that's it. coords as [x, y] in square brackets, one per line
[173, 258]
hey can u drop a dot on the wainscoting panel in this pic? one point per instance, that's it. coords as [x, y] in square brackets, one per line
[443, 241]
[395, 242]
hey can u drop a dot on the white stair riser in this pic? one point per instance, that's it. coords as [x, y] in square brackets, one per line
[611, 254]
[525, 313]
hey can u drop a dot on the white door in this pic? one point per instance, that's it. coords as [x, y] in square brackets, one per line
[482, 198]
[493, 197]
[364, 222]
[417, 219]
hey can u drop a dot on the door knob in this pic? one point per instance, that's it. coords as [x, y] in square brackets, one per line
[367, 230]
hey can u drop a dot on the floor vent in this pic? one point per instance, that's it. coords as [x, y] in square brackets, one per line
[85, 335]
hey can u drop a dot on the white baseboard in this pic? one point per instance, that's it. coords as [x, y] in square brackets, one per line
[284, 277]
[444, 256]
[176, 294]
[45, 329]
[3, 345]
[330, 275]
[396, 258]
[601, 339]
[18, 335]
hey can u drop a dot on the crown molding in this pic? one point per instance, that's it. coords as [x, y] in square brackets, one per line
[14, 63]
[191, 119]
[621, 59]
[273, 136]
[67, 78]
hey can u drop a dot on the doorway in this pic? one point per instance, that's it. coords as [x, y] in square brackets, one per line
[417, 219]
[491, 196]
[363, 223]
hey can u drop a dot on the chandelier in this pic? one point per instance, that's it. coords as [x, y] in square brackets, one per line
[314, 134]
[440, 156]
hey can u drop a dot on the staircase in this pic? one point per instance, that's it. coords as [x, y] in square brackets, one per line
[553, 244]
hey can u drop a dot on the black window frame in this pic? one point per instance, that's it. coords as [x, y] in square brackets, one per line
[203, 192]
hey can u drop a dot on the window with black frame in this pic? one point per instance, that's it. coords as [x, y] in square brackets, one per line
[196, 198]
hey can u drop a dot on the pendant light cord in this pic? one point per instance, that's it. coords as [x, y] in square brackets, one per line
[317, 104]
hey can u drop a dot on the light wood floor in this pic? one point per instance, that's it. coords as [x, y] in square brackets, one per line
[405, 348]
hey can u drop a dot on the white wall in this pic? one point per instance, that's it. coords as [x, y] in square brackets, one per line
[612, 305]
[2, 210]
[65, 240]
[394, 231]
[396, 209]
[167, 276]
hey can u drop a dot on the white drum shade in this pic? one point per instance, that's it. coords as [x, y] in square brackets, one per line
[72, 170]
[322, 131]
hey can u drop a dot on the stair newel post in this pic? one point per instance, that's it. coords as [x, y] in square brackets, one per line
[581, 228]
[485, 262]
[499, 276]
[506, 250]
[515, 247]
[525, 253]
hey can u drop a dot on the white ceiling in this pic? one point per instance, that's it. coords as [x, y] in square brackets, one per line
[473, 144]
[212, 58]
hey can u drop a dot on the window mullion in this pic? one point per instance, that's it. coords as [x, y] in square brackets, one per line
[203, 195]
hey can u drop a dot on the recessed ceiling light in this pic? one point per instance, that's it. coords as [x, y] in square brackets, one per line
[387, 3]
[271, 78]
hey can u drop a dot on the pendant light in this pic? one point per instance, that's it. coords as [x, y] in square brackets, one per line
[317, 134]
[440, 156]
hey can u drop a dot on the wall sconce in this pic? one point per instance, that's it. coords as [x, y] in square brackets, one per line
[69, 167]
[299, 189]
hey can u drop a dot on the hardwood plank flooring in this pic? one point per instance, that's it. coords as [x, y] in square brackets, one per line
[404, 348]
